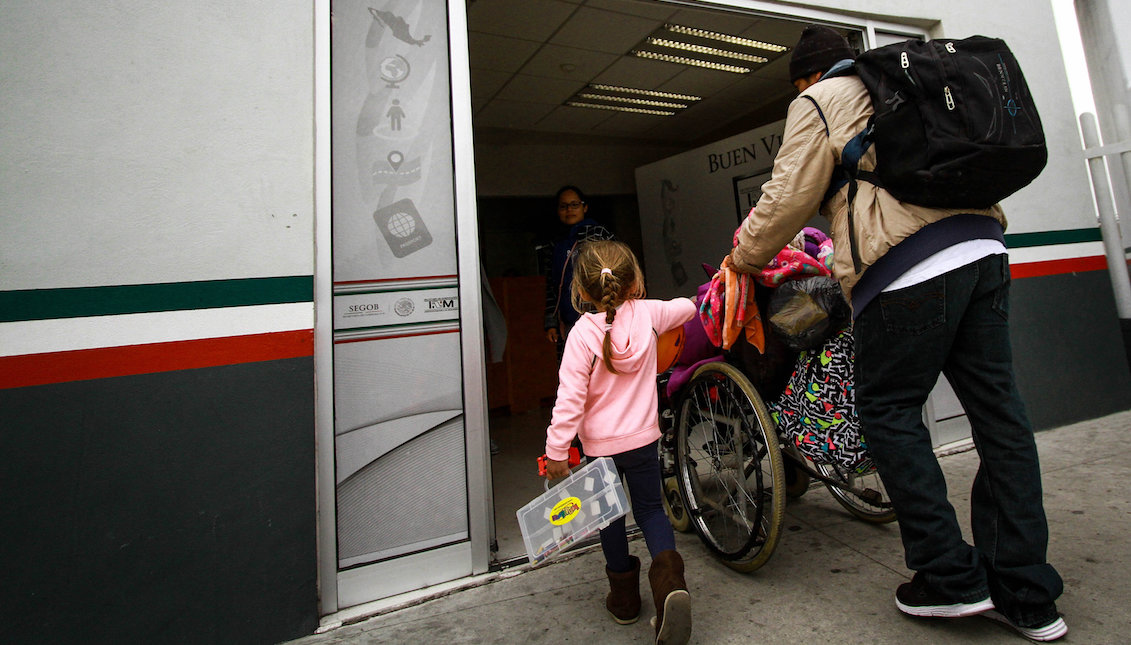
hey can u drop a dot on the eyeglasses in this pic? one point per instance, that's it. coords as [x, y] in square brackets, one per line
[570, 206]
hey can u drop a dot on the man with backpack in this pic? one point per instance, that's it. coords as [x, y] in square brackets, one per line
[929, 288]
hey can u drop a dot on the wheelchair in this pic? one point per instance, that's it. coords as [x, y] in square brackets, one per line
[728, 472]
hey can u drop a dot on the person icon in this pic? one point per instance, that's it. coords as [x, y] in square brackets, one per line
[395, 115]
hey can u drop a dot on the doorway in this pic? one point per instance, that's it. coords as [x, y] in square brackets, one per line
[580, 93]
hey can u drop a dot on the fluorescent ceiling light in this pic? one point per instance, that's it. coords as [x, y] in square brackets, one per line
[619, 108]
[709, 51]
[683, 60]
[726, 38]
[656, 93]
[629, 99]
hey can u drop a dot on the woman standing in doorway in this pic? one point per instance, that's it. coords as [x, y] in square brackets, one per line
[573, 213]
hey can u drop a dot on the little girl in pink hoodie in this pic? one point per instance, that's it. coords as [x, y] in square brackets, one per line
[607, 398]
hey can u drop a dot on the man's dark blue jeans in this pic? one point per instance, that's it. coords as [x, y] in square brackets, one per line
[957, 324]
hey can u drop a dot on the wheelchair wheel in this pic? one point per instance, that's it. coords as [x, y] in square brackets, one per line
[729, 467]
[673, 506]
[863, 495]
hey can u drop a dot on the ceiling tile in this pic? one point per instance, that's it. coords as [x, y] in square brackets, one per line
[555, 61]
[724, 22]
[654, 10]
[500, 53]
[775, 30]
[757, 89]
[538, 89]
[486, 83]
[605, 31]
[572, 119]
[518, 47]
[776, 69]
[714, 110]
[511, 114]
[534, 19]
[700, 81]
[631, 71]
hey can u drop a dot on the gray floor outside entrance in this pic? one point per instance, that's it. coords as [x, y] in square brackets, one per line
[831, 579]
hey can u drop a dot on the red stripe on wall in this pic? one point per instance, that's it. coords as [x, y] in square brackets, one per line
[1057, 267]
[106, 362]
[404, 279]
[408, 335]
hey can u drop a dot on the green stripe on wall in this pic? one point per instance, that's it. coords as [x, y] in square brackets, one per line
[43, 304]
[1048, 238]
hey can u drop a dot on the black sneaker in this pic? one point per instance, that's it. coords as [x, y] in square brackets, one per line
[918, 599]
[1050, 631]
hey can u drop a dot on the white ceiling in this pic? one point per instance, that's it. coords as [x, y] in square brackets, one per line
[529, 56]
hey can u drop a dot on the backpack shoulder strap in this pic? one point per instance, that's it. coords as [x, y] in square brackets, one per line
[848, 173]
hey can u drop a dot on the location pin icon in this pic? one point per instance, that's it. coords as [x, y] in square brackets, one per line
[395, 159]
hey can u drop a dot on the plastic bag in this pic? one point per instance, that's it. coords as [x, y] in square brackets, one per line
[807, 312]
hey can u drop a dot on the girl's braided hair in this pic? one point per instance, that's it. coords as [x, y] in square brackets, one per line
[606, 274]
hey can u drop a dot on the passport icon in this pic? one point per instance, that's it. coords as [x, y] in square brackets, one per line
[403, 228]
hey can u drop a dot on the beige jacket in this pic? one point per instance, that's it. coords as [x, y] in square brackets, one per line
[802, 172]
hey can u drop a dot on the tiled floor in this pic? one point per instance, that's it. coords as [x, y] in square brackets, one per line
[521, 439]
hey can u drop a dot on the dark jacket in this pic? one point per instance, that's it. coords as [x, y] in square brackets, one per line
[560, 274]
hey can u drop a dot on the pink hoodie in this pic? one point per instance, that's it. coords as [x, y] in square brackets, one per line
[612, 413]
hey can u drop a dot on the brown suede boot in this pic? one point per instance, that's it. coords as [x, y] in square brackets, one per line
[623, 601]
[673, 603]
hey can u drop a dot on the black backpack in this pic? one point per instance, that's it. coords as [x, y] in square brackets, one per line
[954, 124]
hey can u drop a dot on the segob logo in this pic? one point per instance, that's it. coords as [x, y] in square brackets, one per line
[367, 309]
[404, 307]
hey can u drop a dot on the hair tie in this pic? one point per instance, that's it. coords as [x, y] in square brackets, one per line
[606, 270]
[608, 327]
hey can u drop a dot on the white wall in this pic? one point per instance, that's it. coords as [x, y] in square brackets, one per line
[691, 204]
[506, 165]
[153, 142]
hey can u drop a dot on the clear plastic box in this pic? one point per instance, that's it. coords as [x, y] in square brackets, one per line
[580, 505]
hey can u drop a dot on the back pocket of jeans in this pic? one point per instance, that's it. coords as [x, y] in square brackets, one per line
[915, 309]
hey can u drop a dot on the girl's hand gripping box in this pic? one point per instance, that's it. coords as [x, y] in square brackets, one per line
[580, 505]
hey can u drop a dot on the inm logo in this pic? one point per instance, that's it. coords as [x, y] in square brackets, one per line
[441, 304]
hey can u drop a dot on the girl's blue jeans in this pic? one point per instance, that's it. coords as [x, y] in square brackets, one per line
[640, 472]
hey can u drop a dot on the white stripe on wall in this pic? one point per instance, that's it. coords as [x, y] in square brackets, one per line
[66, 334]
[1056, 252]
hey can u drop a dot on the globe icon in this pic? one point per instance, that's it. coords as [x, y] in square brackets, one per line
[401, 224]
[394, 69]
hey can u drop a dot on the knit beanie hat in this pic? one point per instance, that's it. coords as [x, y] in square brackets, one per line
[817, 50]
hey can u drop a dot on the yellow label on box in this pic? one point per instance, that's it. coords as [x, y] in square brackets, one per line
[565, 510]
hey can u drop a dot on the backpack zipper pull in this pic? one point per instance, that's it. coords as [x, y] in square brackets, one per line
[905, 63]
[949, 98]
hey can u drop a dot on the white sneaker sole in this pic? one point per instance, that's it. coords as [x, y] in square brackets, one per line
[957, 610]
[1049, 632]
